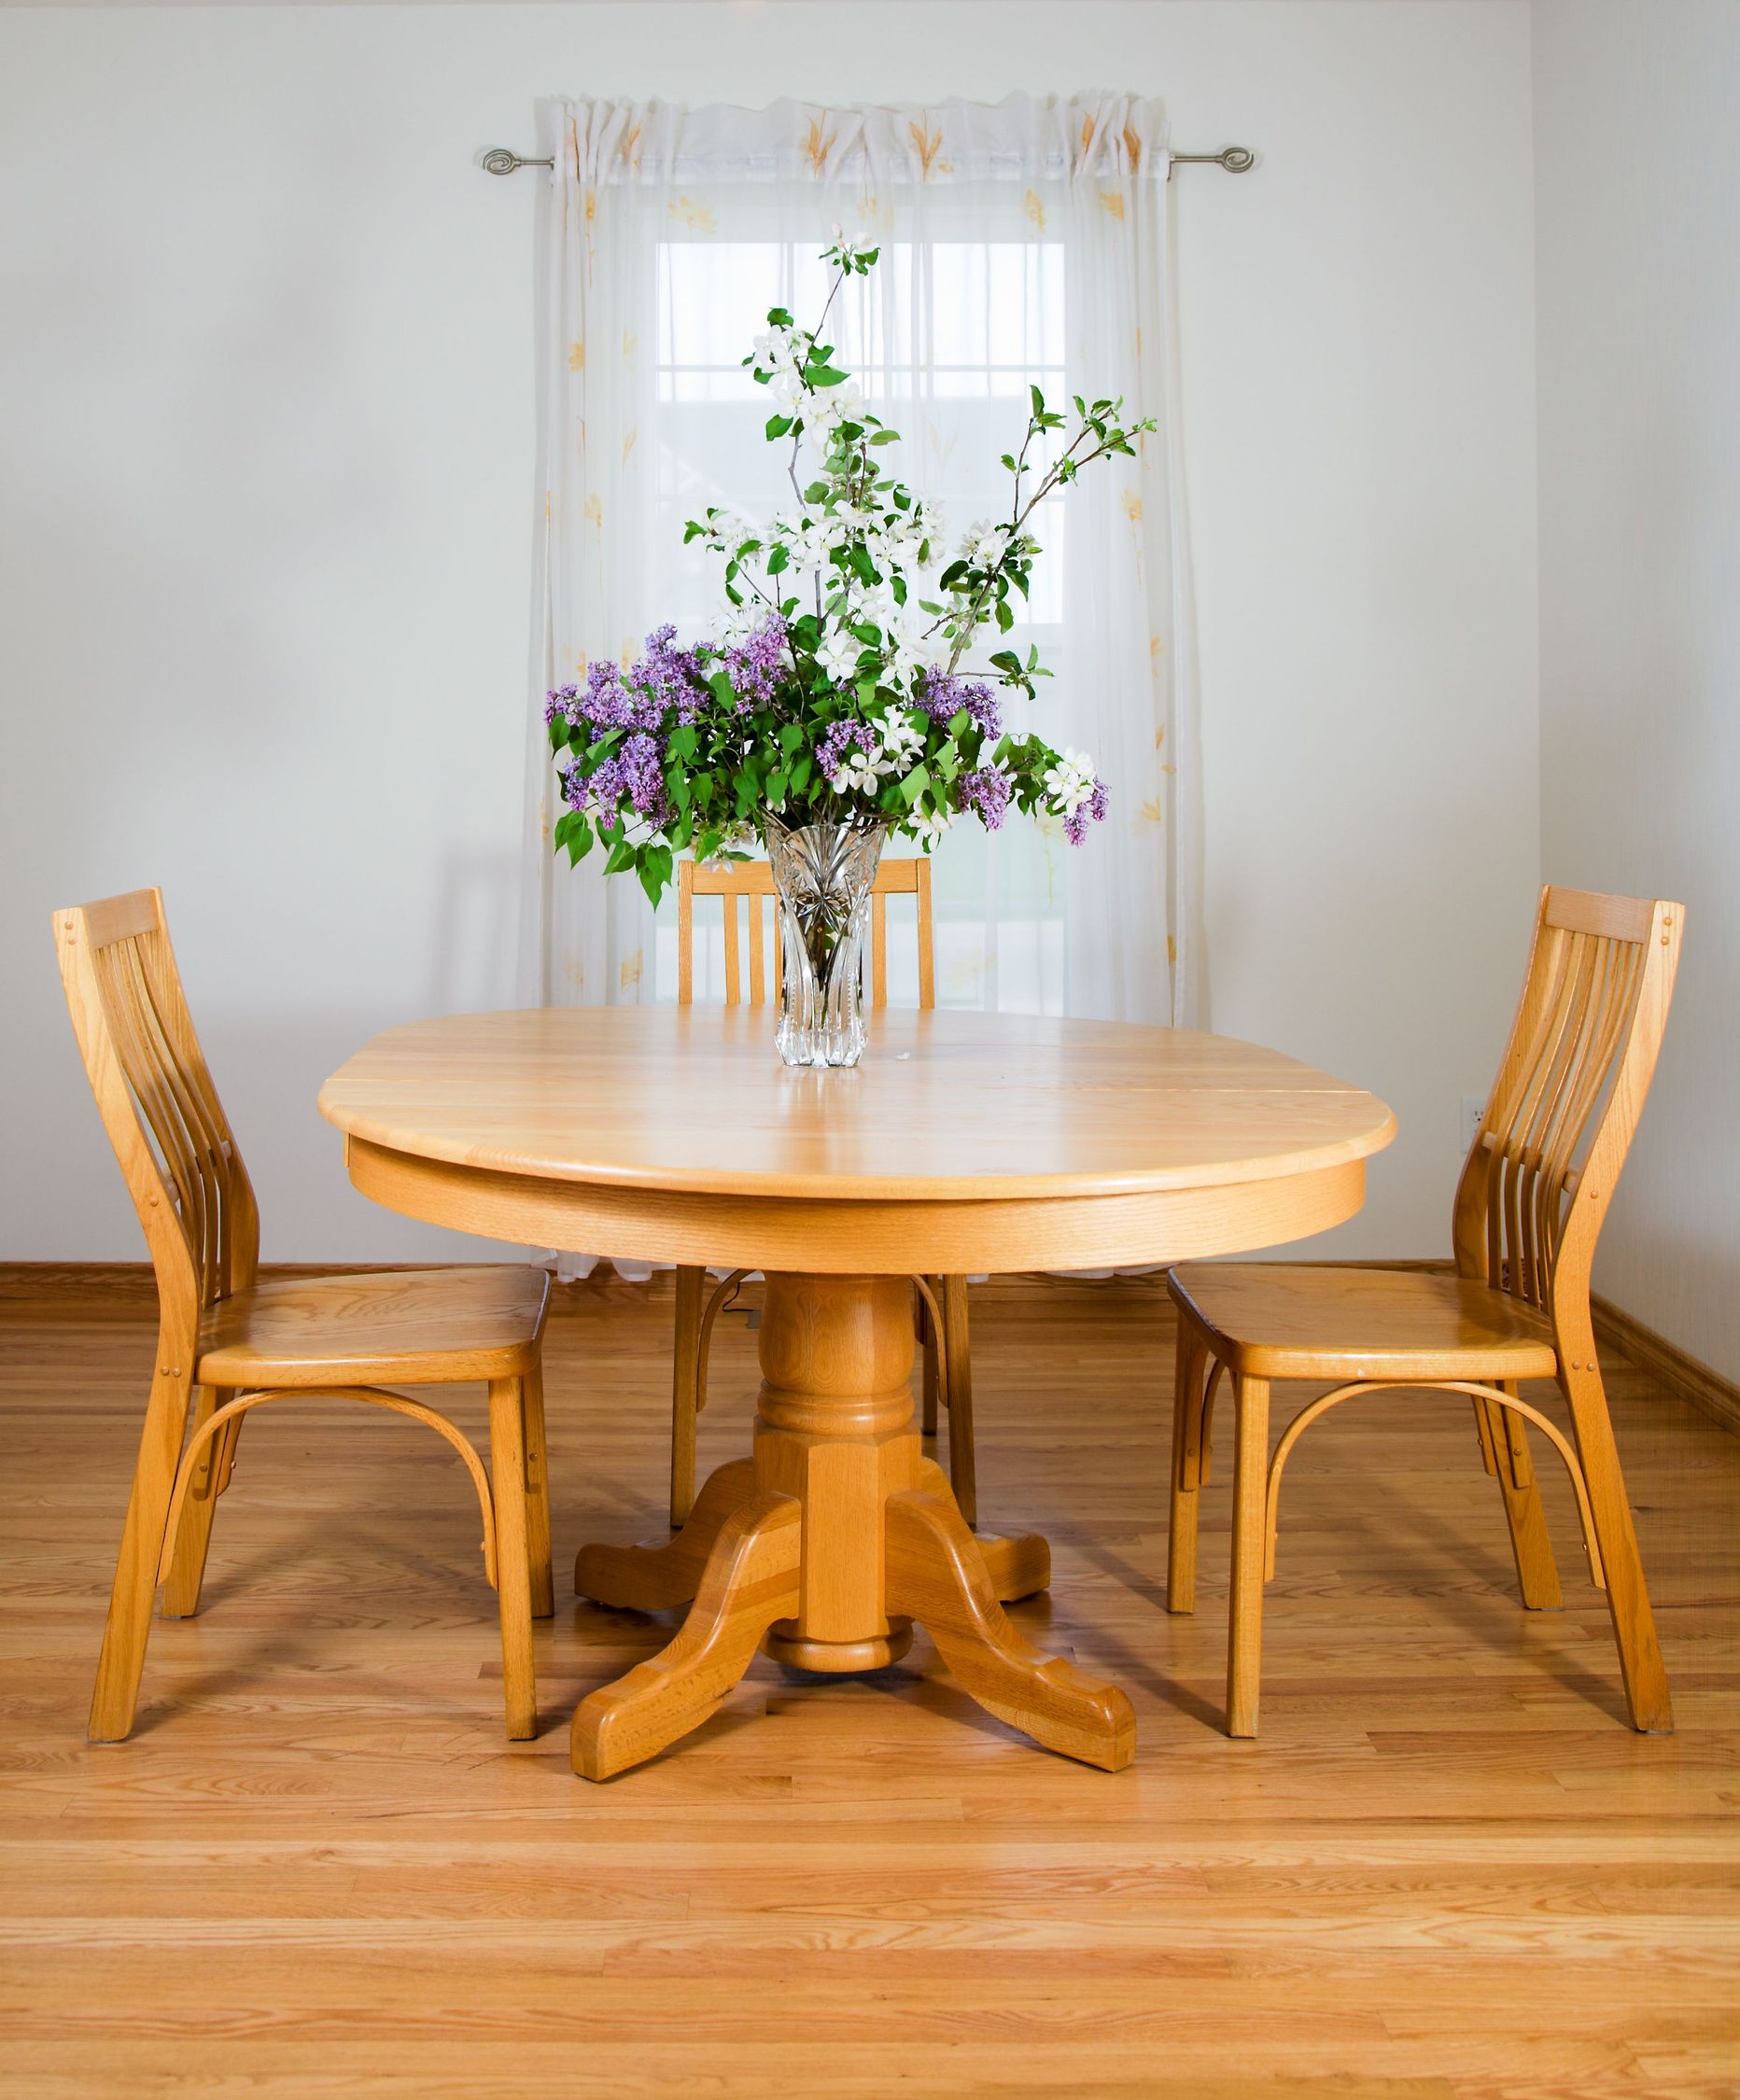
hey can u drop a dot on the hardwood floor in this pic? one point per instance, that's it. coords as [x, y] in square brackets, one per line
[1446, 1867]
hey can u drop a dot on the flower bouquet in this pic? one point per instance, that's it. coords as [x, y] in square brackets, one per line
[832, 706]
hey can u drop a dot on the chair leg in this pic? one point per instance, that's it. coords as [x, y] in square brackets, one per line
[958, 1377]
[226, 1455]
[186, 1571]
[1191, 1362]
[930, 1345]
[1505, 1437]
[128, 1626]
[536, 1494]
[1250, 1486]
[685, 1392]
[1647, 1700]
[514, 1593]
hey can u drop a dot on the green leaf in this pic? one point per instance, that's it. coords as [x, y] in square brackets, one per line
[579, 845]
[683, 739]
[776, 427]
[1006, 618]
[622, 856]
[781, 558]
[655, 867]
[823, 375]
[886, 438]
[1039, 401]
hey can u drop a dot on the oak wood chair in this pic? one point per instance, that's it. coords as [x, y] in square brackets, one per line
[228, 1343]
[746, 887]
[1528, 1210]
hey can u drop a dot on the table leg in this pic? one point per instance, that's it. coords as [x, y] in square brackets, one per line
[653, 1578]
[829, 1546]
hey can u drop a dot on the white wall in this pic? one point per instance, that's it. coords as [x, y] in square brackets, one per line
[265, 474]
[1638, 149]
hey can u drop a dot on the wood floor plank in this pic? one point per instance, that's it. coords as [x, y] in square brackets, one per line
[1445, 1871]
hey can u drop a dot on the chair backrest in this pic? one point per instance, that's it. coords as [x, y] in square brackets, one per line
[750, 884]
[158, 1102]
[1541, 1174]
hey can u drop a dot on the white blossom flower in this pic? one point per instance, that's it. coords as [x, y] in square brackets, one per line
[1072, 782]
[856, 772]
[875, 603]
[911, 650]
[984, 545]
[779, 349]
[808, 537]
[838, 656]
[736, 622]
[899, 531]
[726, 532]
[849, 249]
[899, 739]
[930, 824]
[826, 407]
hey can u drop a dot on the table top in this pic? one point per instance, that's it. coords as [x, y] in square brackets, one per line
[945, 1107]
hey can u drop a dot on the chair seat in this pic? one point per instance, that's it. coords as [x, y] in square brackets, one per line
[1283, 1320]
[399, 1327]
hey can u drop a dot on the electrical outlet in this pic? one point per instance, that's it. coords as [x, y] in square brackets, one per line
[1473, 1108]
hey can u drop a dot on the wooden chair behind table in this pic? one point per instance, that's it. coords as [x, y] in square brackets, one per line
[1528, 1209]
[940, 1304]
[227, 1344]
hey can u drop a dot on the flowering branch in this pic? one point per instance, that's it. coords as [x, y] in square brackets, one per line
[851, 710]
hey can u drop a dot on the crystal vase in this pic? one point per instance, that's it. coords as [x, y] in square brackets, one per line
[824, 874]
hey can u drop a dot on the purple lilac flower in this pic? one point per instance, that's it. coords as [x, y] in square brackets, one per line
[636, 772]
[671, 676]
[665, 681]
[831, 753]
[754, 664]
[986, 792]
[642, 772]
[943, 695]
[1075, 823]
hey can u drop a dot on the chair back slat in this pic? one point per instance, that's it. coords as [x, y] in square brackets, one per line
[1556, 1128]
[159, 1104]
[748, 887]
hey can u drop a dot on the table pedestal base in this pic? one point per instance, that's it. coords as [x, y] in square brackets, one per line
[825, 1547]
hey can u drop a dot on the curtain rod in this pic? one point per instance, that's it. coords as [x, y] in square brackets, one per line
[1236, 160]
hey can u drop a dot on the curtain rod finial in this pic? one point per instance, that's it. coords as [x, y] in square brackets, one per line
[500, 159]
[1236, 160]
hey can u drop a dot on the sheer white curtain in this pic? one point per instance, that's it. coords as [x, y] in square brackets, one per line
[1025, 243]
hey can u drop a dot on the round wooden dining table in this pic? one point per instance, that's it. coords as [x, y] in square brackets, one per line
[962, 1144]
